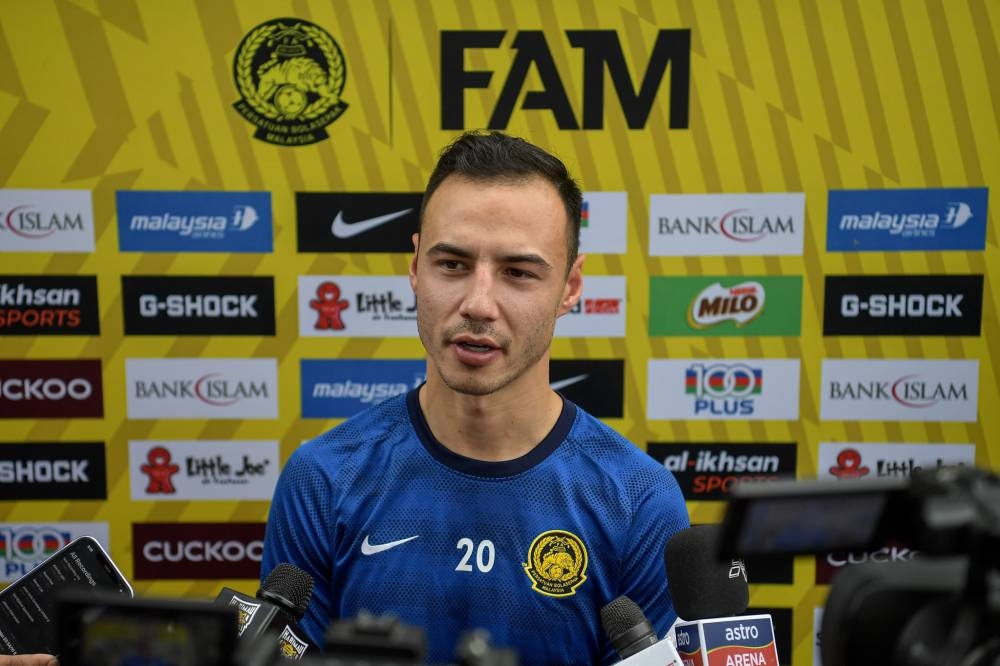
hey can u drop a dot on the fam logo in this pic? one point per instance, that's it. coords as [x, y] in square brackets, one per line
[339, 388]
[723, 389]
[894, 460]
[197, 551]
[717, 306]
[68, 388]
[53, 471]
[557, 563]
[23, 546]
[290, 74]
[355, 306]
[195, 221]
[600, 55]
[600, 312]
[900, 390]
[46, 221]
[202, 388]
[172, 305]
[203, 469]
[683, 225]
[903, 305]
[709, 471]
[49, 305]
[604, 223]
[928, 219]
[357, 221]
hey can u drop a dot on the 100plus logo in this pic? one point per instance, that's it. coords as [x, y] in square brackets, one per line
[23, 546]
[169, 305]
[717, 389]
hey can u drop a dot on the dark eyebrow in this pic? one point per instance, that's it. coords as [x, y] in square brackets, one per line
[455, 250]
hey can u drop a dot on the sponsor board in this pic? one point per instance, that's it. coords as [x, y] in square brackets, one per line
[49, 305]
[899, 390]
[903, 305]
[717, 306]
[23, 546]
[51, 389]
[817, 635]
[723, 389]
[600, 312]
[339, 388]
[202, 388]
[197, 551]
[709, 471]
[771, 569]
[203, 469]
[854, 460]
[53, 471]
[357, 221]
[193, 221]
[596, 385]
[829, 564]
[604, 223]
[46, 221]
[782, 619]
[353, 306]
[906, 219]
[189, 305]
[699, 225]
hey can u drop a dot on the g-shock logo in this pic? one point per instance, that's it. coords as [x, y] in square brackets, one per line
[198, 305]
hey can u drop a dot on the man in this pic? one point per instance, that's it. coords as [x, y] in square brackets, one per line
[483, 499]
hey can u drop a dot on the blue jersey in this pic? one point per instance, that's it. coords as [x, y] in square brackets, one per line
[388, 520]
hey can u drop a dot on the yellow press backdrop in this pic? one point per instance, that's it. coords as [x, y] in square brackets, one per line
[114, 95]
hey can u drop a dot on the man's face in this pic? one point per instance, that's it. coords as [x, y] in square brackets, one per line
[490, 278]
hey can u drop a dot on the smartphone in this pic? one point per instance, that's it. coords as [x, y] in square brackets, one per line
[28, 605]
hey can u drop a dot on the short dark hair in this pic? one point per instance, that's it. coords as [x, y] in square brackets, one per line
[488, 155]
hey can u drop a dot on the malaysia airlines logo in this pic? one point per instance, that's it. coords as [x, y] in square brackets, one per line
[363, 222]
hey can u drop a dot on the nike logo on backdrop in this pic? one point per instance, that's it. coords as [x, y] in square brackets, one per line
[369, 549]
[342, 229]
[563, 383]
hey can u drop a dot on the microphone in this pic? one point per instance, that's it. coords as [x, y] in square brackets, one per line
[707, 593]
[633, 636]
[280, 603]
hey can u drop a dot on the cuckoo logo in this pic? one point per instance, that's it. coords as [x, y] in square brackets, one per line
[23, 546]
[726, 224]
[51, 389]
[828, 565]
[600, 56]
[598, 386]
[197, 551]
[203, 470]
[371, 306]
[341, 388]
[357, 221]
[903, 305]
[46, 221]
[604, 223]
[600, 312]
[857, 461]
[203, 388]
[194, 221]
[709, 471]
[928, 219]
[905, 390]
[167, 305]
[52, 471]
[290, 74]
[715, 306]
[48, 305]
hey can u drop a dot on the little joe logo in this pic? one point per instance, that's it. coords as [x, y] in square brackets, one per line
[371, 306]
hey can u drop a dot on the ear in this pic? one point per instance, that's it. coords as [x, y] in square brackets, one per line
[573, 288]
[413, 262]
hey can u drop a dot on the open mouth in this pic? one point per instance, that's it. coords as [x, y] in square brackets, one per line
[476, 348]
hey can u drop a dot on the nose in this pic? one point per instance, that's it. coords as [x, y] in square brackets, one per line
[479, 302]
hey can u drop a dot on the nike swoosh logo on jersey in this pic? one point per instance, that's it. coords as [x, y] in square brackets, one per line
[563, 383]
[342, 229]
[369, 549]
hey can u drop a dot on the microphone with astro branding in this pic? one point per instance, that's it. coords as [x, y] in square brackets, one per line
[634, 637]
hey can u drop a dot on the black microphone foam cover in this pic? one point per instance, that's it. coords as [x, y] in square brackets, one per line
[627, 627]
[701, 584]
[289, 588]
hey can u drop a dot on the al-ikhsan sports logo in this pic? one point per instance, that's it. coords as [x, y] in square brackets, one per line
[290, 74]
[557, 562]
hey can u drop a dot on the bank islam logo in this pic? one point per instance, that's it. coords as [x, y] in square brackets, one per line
[767, 305]
[851, 460]
[753, 389]
[682, 225]
[353, 306]
[23, 546]
[195, 221]
[604, 223]
[203, 469]
[900, 390]
[202, 388]
[927, 219]
[197, 551]
[46, 221]
[49, 305]
[290, 74]
[341, 388]
[600, 312]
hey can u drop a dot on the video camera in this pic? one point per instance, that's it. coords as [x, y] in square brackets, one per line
[940, 609]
